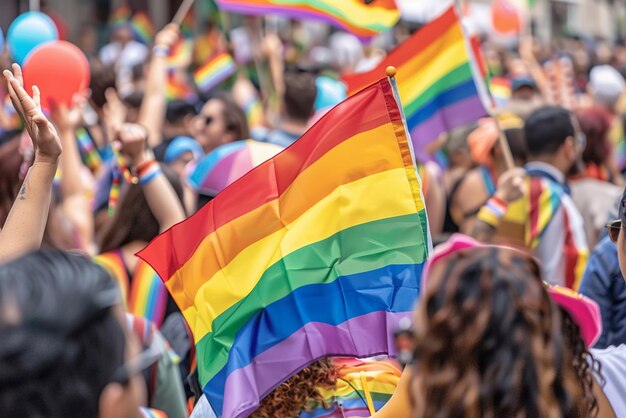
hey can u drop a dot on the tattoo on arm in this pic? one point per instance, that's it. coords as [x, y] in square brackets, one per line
[22, 194]
[482, 231]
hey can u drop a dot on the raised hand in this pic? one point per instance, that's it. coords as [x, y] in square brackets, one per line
[66, 118]
[45, 139]
[167, 37]
[131, 141]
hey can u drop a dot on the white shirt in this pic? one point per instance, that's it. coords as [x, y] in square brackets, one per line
[613, 361]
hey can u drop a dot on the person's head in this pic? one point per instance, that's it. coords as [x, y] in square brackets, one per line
[133, 220]
[123, 34]
[488, 340]
[457, 148]
[65, 352]
[133, 102]
[180, 152]
[292, 396]
[300, 95]
[179, 118]
[102, 78]
[595, 123]
[220, 121]
[606, 85]
[523, 89]
[553, 135]
[617, 233]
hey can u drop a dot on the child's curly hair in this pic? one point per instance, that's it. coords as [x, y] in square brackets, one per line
[291, 398]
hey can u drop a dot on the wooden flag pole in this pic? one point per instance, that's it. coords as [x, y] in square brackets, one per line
[182, 11]
[504, 145]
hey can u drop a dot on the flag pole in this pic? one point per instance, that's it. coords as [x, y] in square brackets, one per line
[182, 11]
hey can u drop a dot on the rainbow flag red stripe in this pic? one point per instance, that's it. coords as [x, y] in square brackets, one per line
[177, 89]
[363, 18]
[337, 219]
[435, 79]
[215, 71]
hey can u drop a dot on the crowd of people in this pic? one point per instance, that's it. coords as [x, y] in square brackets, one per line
[522, 308]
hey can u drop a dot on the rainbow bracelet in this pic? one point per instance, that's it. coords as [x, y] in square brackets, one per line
[149, 173]
[493, 211]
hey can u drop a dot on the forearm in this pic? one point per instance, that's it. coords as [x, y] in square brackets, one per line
[152, 112]
[488, 220]
[72, 180]
[26, 223]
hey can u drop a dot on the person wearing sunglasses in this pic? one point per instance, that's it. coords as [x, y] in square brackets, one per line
[220, 122]
[545, 219]
[64, 349]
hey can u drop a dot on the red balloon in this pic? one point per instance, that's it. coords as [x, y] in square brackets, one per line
[59, 69]
[505, 17]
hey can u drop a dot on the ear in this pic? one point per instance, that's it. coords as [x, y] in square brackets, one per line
[110, 401]
[569, 146]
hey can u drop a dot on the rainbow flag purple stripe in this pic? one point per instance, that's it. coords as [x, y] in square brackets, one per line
[218, 69]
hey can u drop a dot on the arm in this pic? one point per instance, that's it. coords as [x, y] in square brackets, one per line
[159, 193]
[510, 188]
[25, 225]
[435, 201]
[399, 406]
[76, 182]
[152, 110]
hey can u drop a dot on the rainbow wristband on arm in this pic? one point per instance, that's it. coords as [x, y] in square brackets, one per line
[493, 211]
[148, 172]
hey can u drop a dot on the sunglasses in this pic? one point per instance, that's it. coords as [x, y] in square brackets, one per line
[207, 120]
[136, 366]
[613, 229]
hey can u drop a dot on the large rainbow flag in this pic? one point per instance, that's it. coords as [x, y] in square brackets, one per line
[364, 18]
[316, 252]
[435, 79]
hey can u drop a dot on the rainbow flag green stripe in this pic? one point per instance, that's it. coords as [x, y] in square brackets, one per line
[356, 16]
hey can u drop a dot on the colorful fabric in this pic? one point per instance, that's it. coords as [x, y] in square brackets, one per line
[560, 80]
[88, 150]
[143, 28]
[181, 54]
[151, 413]
[144, 293]
[365, 19]
[435, 80]
[363, 388]
[120, 15]
[176, 87]
[336, 220]
[215, 71]
[500, 89]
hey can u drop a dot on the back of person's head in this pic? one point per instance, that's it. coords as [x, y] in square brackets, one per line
[546, 130]
[61, 341]
[235, 120]
[595, 123]
[488, 341]
[517, 143]
[133, 219]
[179, 110]
[300, 94]
[102, 78]
[607, 85]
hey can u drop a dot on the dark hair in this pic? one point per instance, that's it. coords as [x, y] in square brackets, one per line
[102, 78]
[595, 123]
[235, 120]
[517, 143]
[546, 130]
[133, 219]
[488, 342]
[300, 94]
[133, 100]
[177, 110]
[61, 343]
[10, 162]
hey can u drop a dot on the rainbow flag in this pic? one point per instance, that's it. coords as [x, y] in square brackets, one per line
[435, 80]
[218, 69]
[363, 388]
[151, 413]
[142, 27]
[120, 15]
[176, 88]
[363, 18]
[187, 26]
[335, 220]
[500, 89]
[144, 292]
[181, 54]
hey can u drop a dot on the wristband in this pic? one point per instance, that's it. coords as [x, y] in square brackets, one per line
[141, 168]
[150, 174]
[493, 211]
[160, 51]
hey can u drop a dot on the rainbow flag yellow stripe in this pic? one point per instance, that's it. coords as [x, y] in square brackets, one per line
[215, 71]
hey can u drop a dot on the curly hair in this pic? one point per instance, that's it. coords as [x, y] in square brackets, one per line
[584, 363]
[291, 397]
[488, 342]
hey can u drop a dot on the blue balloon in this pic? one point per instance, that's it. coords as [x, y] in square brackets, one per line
[27, 32]
[329, 93]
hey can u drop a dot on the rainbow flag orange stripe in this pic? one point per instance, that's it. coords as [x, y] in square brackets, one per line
[142, 27]
[177, 89]
[435, 79]
[218, 69]
[365, 19]
[337, 219]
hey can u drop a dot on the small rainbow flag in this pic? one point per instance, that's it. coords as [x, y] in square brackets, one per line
[363, 388]
[176, 87]
[364, 18]
[500, 88]
[181, 54]
[335, 220]
[142, 27]
[218, 69]
[120, 15]
[151, 413]
[187, 26]
[436, 81]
